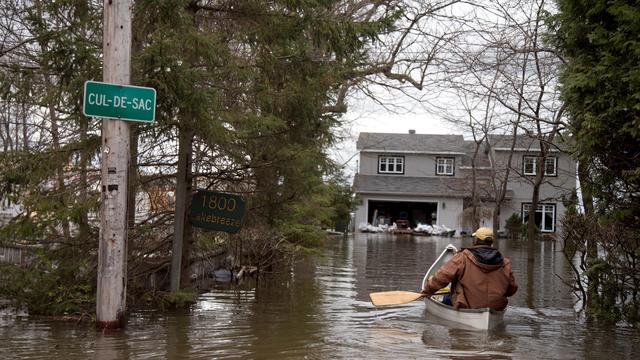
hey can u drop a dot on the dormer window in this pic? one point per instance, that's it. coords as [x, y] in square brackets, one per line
[445, 166]
[390, 164]
[530, 164]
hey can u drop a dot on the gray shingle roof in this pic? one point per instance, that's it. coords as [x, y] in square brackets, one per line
[425, 186]
[524, 142]
[429, 143]
[482, 159]
[419, 186]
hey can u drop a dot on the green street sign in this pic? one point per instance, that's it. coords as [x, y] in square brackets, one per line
[217, 211]
[123, 102]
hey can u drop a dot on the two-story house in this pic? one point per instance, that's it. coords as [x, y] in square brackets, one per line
[428, 179]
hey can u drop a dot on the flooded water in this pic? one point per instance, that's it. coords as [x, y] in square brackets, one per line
[321, 310]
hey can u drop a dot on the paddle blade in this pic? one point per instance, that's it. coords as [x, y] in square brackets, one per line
[393, 297]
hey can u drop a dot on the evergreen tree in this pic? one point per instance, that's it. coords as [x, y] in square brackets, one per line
[47, 169]
[601, 88]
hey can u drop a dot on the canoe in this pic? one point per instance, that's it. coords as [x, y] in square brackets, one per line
[480, 319]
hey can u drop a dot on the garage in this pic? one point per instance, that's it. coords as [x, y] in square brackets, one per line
[387, 212]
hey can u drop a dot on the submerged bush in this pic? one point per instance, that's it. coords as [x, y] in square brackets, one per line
[608, 254]
[49, 287]
[181, 299]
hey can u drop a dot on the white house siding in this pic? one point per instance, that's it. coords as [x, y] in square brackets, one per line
[414, 164]
[551, 191]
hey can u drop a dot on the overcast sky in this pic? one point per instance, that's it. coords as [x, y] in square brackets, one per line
[365, 115]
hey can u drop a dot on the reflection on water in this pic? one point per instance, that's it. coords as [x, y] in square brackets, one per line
[321, 310]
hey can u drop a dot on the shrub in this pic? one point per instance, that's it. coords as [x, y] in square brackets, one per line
[514, 226]
[48, 287]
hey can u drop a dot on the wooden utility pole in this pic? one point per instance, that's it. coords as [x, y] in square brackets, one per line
[112, 254]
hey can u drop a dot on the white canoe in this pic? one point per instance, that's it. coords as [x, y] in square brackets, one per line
[481, 319]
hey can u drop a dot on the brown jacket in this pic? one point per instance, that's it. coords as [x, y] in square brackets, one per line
[481, 278]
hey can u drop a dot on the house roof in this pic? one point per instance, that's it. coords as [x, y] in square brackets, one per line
[523, 143]
[482, 159]
[444, 186]
[418, 143]
[445, 144]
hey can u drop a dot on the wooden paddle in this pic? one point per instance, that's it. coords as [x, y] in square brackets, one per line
[386, 298]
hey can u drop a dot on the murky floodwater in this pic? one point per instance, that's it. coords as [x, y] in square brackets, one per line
[321, 310]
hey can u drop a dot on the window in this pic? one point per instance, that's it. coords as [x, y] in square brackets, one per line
[530, 164]
[550, 166]
[391, 165]
[545, 216]
[444, 166]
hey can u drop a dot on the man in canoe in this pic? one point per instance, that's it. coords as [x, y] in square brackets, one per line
[480, 276]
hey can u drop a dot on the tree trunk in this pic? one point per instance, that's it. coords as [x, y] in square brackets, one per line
[182, 234]
[591, 245]
[7, 142]
[475, 199]
[531, 219]
[51, 95]
[133, 178]
[60, 163]
[83, 225]
[585, 187]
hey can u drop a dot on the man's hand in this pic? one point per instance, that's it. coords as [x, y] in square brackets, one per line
[425, 291]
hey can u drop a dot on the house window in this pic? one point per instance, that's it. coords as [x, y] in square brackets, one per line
[391, 165]
[530, 164]
[444, 166]
[551, 166]
[545, 216]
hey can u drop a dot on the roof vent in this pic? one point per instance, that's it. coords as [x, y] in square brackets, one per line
[411, 131]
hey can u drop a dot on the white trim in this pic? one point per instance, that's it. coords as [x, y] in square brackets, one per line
[555, 165]
[444, 163]
[534, 167]
[411, 194]
[403, 200]
[391, 161]
[523, 149]
[542, 211]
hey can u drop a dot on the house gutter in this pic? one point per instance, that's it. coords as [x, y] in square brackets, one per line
[524, 149]
[411, 194]
[412, 152]
[484, 198]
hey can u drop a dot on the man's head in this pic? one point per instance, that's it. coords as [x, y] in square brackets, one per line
[483, 236]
